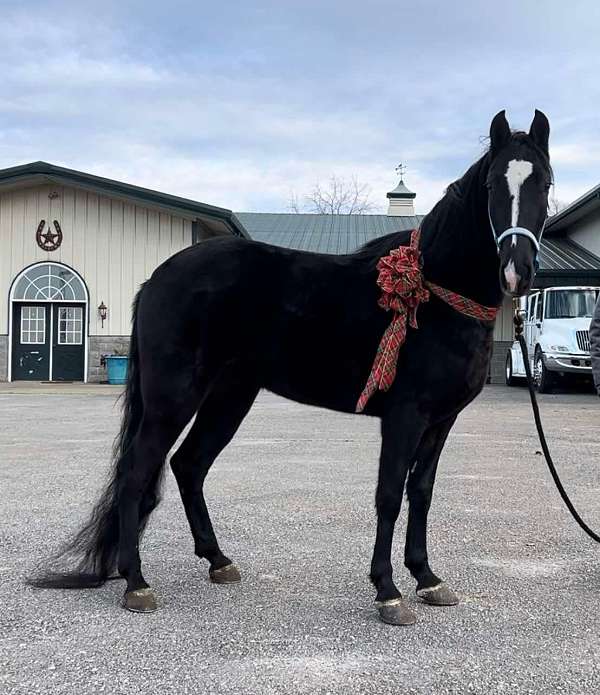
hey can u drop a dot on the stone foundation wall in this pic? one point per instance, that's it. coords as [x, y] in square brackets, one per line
[104, 345]
[3, 357]
[498, 363]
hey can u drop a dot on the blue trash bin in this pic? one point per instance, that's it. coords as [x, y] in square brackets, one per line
[116, 366]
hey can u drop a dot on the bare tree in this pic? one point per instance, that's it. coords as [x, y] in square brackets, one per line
[555, 205]
[338, 197]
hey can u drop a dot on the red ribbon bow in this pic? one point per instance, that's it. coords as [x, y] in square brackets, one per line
[403, 289]
[401, 283]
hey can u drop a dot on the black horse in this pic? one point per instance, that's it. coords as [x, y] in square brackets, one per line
[221, 320]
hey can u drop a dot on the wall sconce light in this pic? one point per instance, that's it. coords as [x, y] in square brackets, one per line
[102, 312]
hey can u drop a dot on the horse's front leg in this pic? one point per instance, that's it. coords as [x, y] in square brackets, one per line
[430, 588]
[401, 434]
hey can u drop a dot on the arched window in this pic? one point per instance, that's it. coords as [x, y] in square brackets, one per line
[49, 282]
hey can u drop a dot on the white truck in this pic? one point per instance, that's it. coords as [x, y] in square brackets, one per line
[556, 330]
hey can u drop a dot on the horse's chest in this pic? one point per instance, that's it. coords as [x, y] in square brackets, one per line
[449, 368]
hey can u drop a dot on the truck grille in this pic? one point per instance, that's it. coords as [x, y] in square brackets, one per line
[583, 340]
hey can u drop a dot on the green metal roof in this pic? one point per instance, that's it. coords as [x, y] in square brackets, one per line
[322, 233]
[561, 253]
[345, 233]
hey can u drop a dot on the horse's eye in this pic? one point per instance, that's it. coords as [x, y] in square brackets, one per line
[548, 186]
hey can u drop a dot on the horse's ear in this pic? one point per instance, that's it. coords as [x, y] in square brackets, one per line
[499, 132]
[539, 131]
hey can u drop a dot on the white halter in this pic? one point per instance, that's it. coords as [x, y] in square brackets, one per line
[517, 231]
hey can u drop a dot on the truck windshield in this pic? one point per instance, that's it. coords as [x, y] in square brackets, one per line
[570, 304]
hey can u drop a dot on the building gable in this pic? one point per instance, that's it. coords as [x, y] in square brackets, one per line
[114, 245]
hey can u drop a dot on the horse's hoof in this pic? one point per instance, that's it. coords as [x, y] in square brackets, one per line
[439, 595]
[140, 601]
[396, 612]
[225, 575]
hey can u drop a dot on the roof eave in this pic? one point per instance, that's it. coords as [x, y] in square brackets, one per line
[58, 174]
[574, 212]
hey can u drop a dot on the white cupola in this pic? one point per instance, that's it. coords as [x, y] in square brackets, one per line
[401, 201]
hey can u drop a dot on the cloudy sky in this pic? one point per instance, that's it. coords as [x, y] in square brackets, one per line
[240, 103]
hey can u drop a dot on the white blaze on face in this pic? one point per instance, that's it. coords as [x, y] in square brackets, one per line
[516, 174]
[512, 277]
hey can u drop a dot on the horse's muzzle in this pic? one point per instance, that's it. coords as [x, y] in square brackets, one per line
[517, 265]
[516, 280]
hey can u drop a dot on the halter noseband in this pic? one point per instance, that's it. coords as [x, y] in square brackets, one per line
[518, 231]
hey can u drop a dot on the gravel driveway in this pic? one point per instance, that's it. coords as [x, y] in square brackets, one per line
[292, 502]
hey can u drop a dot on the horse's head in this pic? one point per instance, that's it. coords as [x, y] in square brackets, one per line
[518, 182]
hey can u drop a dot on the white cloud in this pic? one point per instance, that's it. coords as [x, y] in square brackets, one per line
[240, 107]
[575, 154]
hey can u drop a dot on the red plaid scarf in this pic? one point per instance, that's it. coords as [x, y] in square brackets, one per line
[403, 289]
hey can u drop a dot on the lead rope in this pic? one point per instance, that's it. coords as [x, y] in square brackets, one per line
[518, 321]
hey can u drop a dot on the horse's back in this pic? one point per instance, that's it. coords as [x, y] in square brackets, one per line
[306, 324]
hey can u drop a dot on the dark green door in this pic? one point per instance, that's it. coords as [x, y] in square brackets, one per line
[31, 342]
[68, 349]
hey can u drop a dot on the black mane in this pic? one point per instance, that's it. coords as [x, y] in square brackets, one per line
[443, 214]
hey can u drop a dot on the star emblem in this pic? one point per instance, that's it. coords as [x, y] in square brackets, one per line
[49, 240]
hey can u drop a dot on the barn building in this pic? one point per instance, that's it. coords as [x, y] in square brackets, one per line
[75, 247]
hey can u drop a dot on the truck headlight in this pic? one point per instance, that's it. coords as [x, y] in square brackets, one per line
[559, 348]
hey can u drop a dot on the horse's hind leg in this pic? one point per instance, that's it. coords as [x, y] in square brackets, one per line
[217, 420]
[430, 588]
[141, 470]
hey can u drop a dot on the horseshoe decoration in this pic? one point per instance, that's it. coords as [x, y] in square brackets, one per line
[49, 240]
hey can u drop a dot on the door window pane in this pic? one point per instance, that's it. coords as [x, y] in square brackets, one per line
[70, 325]
[49, 281]
[33, 325]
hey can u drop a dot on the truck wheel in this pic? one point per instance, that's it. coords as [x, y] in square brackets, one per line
[510, 379]
[542, 378]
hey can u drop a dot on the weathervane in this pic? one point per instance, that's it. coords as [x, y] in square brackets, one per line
[401, 170]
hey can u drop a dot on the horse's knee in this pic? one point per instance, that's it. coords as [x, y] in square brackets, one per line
[418, 490]
[387, 503]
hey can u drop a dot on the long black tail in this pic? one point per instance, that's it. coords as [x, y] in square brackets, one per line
[90, 557]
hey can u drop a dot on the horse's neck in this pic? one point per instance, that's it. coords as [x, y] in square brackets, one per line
[458, 249]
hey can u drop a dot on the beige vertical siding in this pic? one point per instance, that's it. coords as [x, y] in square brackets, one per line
[586, 232]
[114, 245]
[504, 329]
